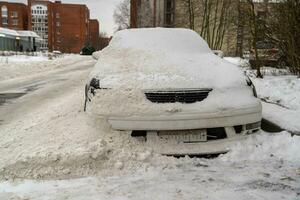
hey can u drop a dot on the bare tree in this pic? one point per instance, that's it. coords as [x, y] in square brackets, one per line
[122, 15]
[285, 30]
[210, 18]
[251, 21]
[191, 9]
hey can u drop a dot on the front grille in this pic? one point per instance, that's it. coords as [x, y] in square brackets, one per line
[181, 96]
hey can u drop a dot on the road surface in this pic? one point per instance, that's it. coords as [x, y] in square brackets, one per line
[46, 137]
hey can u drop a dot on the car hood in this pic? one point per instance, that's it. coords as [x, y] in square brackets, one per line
[147, 70]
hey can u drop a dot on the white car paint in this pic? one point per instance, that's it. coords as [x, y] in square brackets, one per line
[159, 59]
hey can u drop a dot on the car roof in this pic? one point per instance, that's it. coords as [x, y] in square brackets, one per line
[160, 39]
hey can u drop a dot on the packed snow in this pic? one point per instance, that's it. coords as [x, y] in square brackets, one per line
[264, 166]
[281, 93]
[139, 59]
[51, 149]
[22, 65]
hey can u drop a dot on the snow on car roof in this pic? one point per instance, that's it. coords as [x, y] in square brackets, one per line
[163, 39]
[164, 57]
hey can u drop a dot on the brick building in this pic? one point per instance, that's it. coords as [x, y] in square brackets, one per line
[63, 27]
[13, 15]
[190, 14]
[94, 34]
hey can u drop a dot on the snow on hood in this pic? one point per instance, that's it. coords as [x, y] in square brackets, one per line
[163, 58]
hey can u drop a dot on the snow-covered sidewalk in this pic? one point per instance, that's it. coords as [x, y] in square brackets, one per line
[50, 149]
[22, 66]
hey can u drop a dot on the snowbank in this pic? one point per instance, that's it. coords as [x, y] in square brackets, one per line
[262, 167]
[282, 94]
[22, 58]
[96, 55]
[21, 66]
[282, 90]
[263, 146]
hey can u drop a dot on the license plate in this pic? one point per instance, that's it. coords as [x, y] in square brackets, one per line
[188, 136]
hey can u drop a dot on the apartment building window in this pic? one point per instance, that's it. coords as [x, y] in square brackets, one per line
[14, 14]
[4, 11]
[40, 22]
[15, 22]
[169, 12]
[4, 21]
[57, 16]
[58, 24]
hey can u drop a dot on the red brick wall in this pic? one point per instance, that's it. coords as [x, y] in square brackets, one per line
[104, 42]
[94, 33]
[22, 17]
[75, 27]
[73, 32]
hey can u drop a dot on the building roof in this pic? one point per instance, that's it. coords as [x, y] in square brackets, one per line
[9, 32]
[28, 34]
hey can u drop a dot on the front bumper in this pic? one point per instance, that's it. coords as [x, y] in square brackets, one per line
[186, 121]
[203, 148]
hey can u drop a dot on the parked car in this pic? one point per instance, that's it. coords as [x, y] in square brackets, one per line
[269, 55]
[168, 86]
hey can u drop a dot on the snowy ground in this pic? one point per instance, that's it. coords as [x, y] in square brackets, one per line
[280, 93]
[50, 149]
[22, 65]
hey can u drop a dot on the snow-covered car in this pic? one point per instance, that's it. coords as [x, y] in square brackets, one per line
[168, 85]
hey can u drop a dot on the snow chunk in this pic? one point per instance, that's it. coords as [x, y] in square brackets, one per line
[282, 90]
[281, 146]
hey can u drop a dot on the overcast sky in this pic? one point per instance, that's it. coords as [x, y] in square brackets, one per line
[99, 9]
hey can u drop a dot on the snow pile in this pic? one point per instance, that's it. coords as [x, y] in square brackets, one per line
[263, 146]
[283, 96]
[141, 59]
[150, 58]
[22, 59]
[96, 55]
[267, 167]
[282, 90]
[21, 66]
